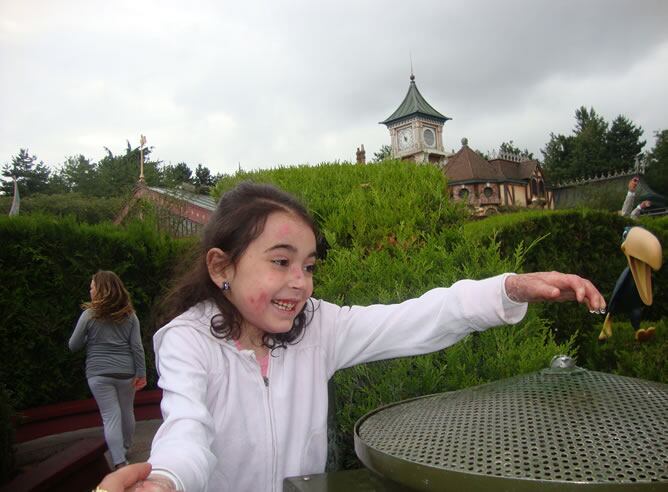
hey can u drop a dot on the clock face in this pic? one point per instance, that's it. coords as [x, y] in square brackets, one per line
[429, 137]
[405, 138]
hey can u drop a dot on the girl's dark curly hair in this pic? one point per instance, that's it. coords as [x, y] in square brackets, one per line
[239, 219]
[111, 300]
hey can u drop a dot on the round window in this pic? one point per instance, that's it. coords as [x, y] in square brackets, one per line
[463, 193]
[429, 137]
[488, 191]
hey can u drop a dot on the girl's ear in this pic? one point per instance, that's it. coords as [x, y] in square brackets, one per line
[219, 266]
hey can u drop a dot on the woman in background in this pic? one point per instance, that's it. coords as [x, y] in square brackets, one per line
[115, 364]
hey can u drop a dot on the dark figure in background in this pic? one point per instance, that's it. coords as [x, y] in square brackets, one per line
[633, 289]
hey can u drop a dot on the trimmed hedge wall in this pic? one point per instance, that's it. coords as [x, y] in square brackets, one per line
[46, 266]
[585, 242]
[392, 234]
[83, 208]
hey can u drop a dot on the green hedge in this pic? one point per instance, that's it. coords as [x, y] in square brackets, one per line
[83, 208]
[585, 242]
[46, 268]
[365, 205]
[392, 234]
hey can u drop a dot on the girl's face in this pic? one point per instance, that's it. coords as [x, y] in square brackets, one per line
[274, 277]
[93, 290]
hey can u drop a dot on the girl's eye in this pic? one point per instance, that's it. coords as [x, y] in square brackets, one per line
[309, 268]
[280, 262]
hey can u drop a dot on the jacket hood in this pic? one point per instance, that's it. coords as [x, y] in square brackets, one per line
[197, 317]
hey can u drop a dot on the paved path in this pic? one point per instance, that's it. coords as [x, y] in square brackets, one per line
[37, 450]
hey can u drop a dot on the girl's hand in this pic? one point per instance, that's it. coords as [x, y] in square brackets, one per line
[554, 286]
[139, 383]
[125, 478]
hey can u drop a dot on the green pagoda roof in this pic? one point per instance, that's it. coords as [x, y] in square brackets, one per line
[414, 104]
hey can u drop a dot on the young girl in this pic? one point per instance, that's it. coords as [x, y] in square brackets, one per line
[244, 363]
[115, 365]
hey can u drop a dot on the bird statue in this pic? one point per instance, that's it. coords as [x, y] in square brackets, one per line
[633, 289]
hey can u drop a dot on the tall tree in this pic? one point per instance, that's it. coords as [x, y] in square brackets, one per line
[203, 177]
[623, 143]
[510, 148]
[593, 148]
[175, 175]
[657, 169]
[31, 176]
[81, 175]
[118, 174]
[385, 152]
[589, 149]
[557, 158]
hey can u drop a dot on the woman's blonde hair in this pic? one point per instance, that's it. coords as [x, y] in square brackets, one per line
[111, 300]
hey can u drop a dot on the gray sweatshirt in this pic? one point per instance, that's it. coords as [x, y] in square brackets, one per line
[111, 348]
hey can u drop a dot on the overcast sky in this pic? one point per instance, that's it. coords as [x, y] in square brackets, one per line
[270, 83]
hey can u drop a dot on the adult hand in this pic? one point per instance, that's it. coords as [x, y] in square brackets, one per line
[554, 286]
[125, 478]
[633, 184]
[139, 383]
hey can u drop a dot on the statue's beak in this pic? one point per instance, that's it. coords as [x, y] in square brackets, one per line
[642, 276]
[644, 254]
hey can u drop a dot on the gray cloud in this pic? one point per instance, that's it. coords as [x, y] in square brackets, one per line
[289, 82]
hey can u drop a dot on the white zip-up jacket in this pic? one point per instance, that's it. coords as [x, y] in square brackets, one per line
[226, 430]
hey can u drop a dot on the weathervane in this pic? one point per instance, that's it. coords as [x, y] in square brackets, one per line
[142, 142]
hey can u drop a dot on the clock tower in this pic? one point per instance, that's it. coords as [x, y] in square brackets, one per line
[416, 129]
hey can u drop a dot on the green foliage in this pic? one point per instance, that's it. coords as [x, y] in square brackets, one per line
[83, 208]
[657, 171]
[583, 242]
[384, 153]
[365, 205]
[175, 175]
[622, 354]
[6, 437]
[509, 147]
[32, 176]
[46, 268]
[594, 148]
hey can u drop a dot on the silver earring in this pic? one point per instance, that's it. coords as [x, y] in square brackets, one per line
[225, 286]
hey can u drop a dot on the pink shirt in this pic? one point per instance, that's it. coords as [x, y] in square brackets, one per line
[264, 361]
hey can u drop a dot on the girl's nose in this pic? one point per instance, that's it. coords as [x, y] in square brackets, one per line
[297, 277]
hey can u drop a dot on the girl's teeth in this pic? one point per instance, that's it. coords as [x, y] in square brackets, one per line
[284, 306]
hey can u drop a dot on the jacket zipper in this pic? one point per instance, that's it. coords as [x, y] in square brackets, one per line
[270, 413]
[273, 430]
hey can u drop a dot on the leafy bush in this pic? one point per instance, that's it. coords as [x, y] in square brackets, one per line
[365, 205]
[46, 268]
[587, 243]
[622, 354]
[83, 208]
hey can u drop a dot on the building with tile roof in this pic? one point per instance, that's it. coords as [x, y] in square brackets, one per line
[506, 180]
[180, 212]
[416, 128]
